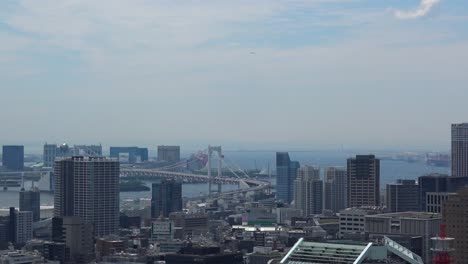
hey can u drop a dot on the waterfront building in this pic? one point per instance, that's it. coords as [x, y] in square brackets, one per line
[363, 177]
[308, 191]
[13, 157]
[31, 201]
[403, 196]
[135, 154]
[88, 187]
[336, 187]
[286, 171]
[460, 150]
[166, 198]
[52, 151]
[169, 153]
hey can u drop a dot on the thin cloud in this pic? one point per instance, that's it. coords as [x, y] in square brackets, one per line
[423, 9]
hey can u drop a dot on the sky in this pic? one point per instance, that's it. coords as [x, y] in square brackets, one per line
[246, 74]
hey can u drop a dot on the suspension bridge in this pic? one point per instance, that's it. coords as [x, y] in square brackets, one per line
[242, 179]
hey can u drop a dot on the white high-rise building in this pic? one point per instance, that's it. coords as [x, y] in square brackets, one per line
[308, 191]
[335, 189]
[24, 221]
[88, 187]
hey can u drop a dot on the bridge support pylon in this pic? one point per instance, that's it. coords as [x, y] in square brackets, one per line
[220, 164]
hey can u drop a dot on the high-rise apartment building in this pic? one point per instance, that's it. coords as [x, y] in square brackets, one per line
[166, 198]
[286, 171]
[336, 187]
[88, 187]
[308, 191]
[31, 201]
[13, 157]
[455, 216]
[169, 153]
[403, 196]
[20, 226]
[363, 181]
[460, 150]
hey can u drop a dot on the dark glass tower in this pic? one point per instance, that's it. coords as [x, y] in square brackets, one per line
[13, 157]
[166, 198]
[363, 181]
[31, 201]
[286, 171]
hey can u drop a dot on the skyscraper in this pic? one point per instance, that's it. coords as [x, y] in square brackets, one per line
[169, 153]
[308, 191]
[88, 187]
[455, 215]
[13, 157]
[336, 187]
[286, 171]
[403, 196]
[460, 149]
[166, 198]
[31, 201]
[363, 181]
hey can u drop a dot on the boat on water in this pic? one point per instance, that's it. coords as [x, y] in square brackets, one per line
[438, 160]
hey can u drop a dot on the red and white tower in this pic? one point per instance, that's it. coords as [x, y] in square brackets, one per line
[442, 246]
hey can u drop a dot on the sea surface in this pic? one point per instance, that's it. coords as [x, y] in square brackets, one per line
[390, 171]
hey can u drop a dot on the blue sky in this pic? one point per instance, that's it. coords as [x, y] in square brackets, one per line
[311, 74]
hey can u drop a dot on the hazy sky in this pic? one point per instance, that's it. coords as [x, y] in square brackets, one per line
[317, 73]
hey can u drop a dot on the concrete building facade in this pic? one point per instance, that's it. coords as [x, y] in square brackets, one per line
[88, 187]
[336, 188]
[455, 217]
[363, 177]
[403, 196]
[169, 153]
[308, 191]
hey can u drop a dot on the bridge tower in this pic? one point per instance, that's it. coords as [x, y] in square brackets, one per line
[212, 149]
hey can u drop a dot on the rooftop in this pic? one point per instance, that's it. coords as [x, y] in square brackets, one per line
[410, 215]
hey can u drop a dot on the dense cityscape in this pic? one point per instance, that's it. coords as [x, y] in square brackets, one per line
[286, 213]
[233, 132]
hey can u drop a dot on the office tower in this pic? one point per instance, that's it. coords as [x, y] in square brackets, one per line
[403, 196]
[169, 153]
[162, 229]
[286, 171]
[455, 216]
[13, 157]
[166, 198]
[77, 235]
[363, 181]
[308, 191]
[460, 150]
[135, 154]
[88, 187]
[434, 201]
[31, 201]
[438, 183]
[336, 187]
